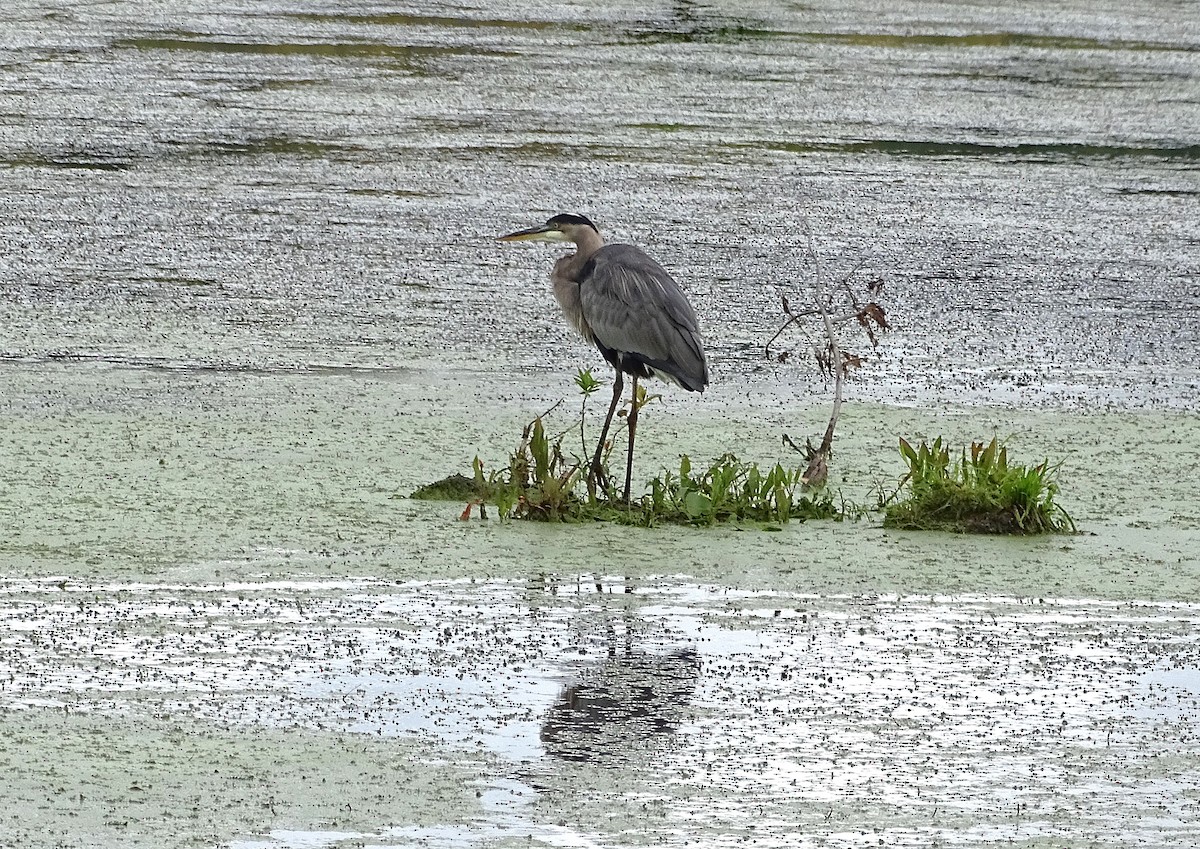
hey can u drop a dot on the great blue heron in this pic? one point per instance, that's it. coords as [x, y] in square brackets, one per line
[625, 304]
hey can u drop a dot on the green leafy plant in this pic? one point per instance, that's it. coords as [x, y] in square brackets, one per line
[980, 492]
[542, 482]
[588, 384]
[730, 489]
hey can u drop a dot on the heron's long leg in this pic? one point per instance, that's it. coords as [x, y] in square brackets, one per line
[618, 386]
[633, 416]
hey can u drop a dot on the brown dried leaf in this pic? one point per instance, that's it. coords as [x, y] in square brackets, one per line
[876, 312]
[824, 359]
[872, 313]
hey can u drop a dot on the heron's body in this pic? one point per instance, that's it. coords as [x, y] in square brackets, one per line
[625, 304]
[629, 307]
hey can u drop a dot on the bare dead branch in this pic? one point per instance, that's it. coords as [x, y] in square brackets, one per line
[831, 359]
[792, 319]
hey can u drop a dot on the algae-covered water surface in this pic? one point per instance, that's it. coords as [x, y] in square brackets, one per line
[250, 297]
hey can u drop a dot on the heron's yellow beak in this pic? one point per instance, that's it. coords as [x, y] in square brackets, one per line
[541, 233]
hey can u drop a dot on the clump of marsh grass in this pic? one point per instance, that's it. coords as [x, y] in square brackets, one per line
[546, 481]
[979, 492]
[541, 480]
[730, 489]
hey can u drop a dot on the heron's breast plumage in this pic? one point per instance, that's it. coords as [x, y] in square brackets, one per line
[565, 284]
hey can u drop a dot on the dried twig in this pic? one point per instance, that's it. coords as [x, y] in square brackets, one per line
[831, 359]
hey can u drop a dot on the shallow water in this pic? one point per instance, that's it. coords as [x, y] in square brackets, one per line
[249, 295]
[607, 712]
[272, 188]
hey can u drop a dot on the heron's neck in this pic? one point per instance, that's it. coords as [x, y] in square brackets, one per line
[587, 242]
[566, 279]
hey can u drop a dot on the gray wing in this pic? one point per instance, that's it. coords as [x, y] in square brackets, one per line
[635, 308]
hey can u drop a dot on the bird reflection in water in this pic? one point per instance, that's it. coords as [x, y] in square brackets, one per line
[622, 706]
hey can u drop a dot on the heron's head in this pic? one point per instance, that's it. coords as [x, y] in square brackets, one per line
[565, 227]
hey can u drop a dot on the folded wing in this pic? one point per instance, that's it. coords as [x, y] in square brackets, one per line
[640, 317]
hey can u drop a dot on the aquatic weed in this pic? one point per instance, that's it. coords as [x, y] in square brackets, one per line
[978, 493]
[730, 489]
[543, 482]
